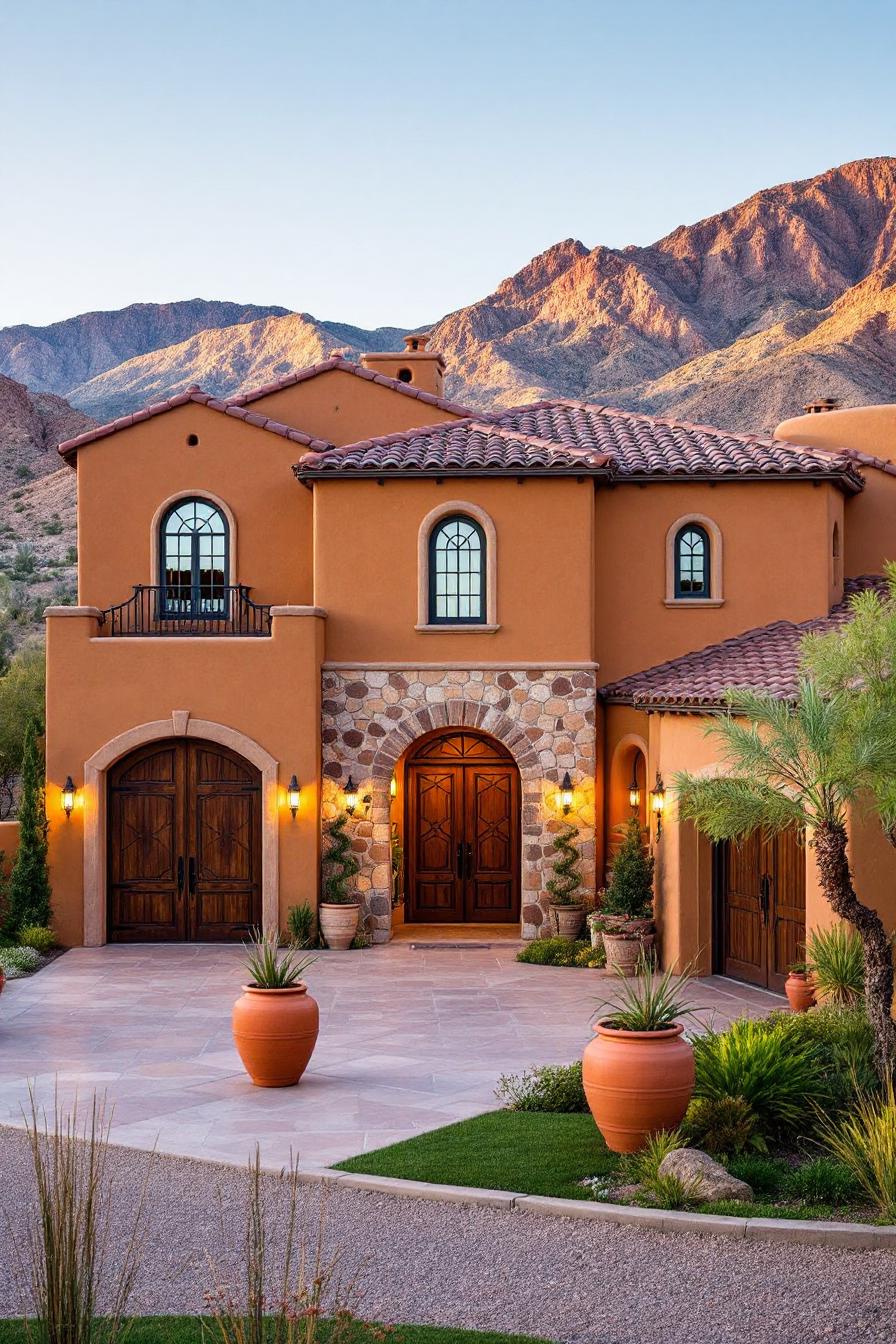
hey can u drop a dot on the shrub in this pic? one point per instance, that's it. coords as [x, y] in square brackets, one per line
[300, 923]
[555, 1088]
[18, 961]
[29, 882]
[559, 952]
[865, 1142]
[837, 962]
[843, 1037]
[340, 863]
[780, 1079]
[822, 1181]
[564, 885]
[630, 889]
[766, 1175]
[722, 1125]
[37, 936]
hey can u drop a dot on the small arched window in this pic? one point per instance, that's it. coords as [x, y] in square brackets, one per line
[457, 569]
[692, 562]
[193, 552]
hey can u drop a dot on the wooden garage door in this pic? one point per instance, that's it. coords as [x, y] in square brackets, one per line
[762, 907]
[184, 830]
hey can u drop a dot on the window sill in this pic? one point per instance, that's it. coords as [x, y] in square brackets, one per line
[456, 629]
[694, 602]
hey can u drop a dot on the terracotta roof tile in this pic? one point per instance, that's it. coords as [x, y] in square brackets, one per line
[349, 366]
[465, 447]
[195, 394]
[764, 659]
[646, 447]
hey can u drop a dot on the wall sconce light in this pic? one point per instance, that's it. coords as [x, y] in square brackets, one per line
[634, 792]
[292, 796]
[351, 796]
[658, 802]
[393, 787]
[564, 797]
[68, 796]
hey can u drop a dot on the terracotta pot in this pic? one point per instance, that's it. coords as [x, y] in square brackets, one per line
[637, 1083]
[800, 991]
[338, 924]
[568, 920]
[623, 954]
[275, 1032]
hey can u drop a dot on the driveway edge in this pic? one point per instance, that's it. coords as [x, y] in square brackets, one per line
[800, 1231]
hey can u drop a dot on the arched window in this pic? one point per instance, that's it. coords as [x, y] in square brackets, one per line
[457, 570]
[193, 546]
[692, 562]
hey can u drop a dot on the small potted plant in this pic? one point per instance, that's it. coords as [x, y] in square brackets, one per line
[567, 903]
[638, 1072]
[627, 909]
[275, 1020]
[799, 988]
[339, 909]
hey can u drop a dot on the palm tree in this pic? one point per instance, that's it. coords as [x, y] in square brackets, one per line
[804, 764]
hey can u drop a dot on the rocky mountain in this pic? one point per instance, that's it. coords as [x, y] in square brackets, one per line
[31, 425]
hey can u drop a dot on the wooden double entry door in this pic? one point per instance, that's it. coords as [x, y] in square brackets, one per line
[762, 907]
[462, 831]
[184, 835]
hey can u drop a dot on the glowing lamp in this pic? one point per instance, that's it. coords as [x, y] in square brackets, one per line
[351, 796]
[68, 796]
[393, 787]
[564, 797]
[658, 802]
[292, 796]
[634, 792]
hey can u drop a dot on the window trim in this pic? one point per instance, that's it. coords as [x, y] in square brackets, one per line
[715, 597]
[457, 508]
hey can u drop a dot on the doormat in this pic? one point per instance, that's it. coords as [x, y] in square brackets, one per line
[452, 947]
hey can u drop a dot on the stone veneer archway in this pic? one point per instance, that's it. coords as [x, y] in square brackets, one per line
[544, 717]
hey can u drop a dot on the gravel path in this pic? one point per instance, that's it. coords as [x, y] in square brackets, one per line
[571, 1281]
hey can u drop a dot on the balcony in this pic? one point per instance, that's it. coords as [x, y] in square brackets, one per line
[163, 610]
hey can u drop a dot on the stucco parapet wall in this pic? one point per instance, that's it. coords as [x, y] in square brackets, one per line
[73, 611]
[299, 611]
[544, 715]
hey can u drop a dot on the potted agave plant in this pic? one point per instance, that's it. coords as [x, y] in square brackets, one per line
[638, 1072]
[275, 1020]
[339, 909]
[626, 913]
[567, 904]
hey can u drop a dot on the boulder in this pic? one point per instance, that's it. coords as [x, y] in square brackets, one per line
[708, 1178]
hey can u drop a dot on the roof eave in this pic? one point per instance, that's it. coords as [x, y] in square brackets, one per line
[846, 481]
[403, 474]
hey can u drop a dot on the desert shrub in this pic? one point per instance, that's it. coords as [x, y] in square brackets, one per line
[722, 1125]
[844, 1039]
[822, 1181]
[37, 936]
[864, 1140]
[557, 952]
[837, 962]
[17, 961]
[780, 1078]
[630, 889]
[300, 923]
[550, 1087]
[766, 1175]
[24, 564]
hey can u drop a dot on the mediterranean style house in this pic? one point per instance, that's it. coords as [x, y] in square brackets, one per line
[342, 591]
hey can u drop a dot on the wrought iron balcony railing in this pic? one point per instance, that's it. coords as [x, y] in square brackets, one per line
[160, 609]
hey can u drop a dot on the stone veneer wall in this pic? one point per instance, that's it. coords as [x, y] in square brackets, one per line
[544, 717]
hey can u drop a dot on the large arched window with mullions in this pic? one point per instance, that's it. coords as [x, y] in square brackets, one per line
[457, 572]
[193, 553]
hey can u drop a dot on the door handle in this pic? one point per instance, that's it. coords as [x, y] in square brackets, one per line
[192, 876]
[469, 857]
[764, 896]
[180, 874]
[460, 863]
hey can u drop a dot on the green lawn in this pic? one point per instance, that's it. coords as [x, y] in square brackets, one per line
[531, 1152]
[188, 1330]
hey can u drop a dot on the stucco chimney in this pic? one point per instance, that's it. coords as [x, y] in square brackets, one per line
[416, 364]
[821, 405]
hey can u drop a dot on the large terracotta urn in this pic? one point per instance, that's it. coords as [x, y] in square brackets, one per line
[275, 1032]
[637, 1083]
[338, 923]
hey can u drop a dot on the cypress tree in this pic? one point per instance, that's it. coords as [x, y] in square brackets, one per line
[630, 891]
[29, 883]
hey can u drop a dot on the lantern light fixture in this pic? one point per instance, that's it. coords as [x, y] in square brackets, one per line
[393, 787]
[565, 794]
[634, 790]
[658, 802]
[351, 796]
[292, 796]
[68, 796]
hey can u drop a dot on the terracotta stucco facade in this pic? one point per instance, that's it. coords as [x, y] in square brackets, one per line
[349, 670]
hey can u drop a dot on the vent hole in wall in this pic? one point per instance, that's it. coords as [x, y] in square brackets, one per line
[192, 440]
[405, 376]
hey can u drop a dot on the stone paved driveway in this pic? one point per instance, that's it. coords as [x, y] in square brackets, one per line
[412, 1037]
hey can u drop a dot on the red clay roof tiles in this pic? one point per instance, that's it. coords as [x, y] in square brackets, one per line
[764, 659]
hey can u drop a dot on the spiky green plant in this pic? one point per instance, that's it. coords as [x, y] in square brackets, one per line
[340, 864]
[567, 879]
[865, 1142]
[803, 765]
[300, 923]
[630, 889]
[646, 1002]
[835, 958]
[269, 966]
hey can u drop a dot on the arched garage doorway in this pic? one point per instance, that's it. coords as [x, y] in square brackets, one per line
[184, 825]
[462, 830]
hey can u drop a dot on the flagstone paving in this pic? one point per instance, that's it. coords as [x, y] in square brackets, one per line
[413, 1036]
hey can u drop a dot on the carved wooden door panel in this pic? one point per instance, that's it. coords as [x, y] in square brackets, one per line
[491, 844]
[434, 846]
[763, 908]
[224, 843]
[146, 846]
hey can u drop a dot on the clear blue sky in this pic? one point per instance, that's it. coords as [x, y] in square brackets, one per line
[386, 162]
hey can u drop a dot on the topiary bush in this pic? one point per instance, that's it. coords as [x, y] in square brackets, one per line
[630, 889]
[555, 1088]
[564, 885]
[561, 952]
[340, 864]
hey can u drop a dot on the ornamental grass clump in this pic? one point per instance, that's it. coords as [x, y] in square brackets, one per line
[865, 1142]
[648, 1002]
[269, 966]
[836, 962]
[300, 923]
